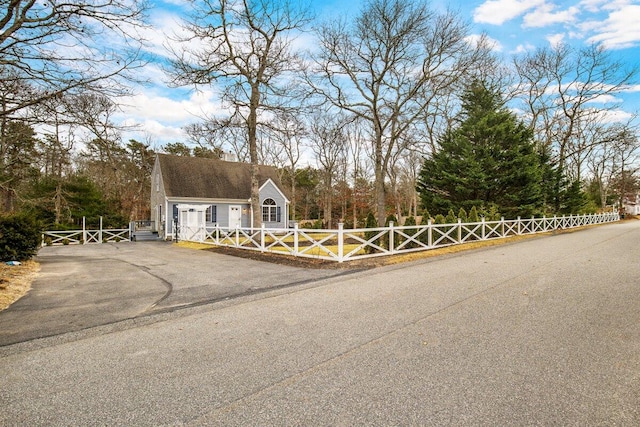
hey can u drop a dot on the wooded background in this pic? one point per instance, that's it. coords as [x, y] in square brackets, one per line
[396, 111]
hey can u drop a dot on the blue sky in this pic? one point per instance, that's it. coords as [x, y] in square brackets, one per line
[515, 26]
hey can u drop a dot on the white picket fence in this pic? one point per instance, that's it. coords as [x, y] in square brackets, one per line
[86, 236]
[350, 244]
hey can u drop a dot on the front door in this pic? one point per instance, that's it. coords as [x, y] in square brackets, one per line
[191, 224]
[235, 217]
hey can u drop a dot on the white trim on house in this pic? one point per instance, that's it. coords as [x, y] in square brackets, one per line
[286, 199]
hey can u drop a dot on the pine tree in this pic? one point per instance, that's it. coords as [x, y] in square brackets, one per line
[490, 158]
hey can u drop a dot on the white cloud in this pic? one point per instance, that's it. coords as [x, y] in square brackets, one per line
[620, 30]
[595, 6]
[491, 43]
[615, 116]
[523, 48]
[555, 39]
[604, 99]
[545, 15]
[174, 110]
[497, 12]
[632, 89]
[162, 118]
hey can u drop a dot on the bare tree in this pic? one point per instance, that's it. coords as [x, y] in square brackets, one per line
[566, 91]
[357, 141]
[328, 142]
[387, 67]
[55, 47]
[286, 133]
[245, 47]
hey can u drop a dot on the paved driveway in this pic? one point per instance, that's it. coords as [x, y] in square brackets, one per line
[85, 286]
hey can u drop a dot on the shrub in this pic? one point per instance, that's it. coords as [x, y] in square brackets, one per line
[462, 214]
[411, 222]
[473, 215]
[20, 236]
[370, 223]
[451, 217]
[384, 240]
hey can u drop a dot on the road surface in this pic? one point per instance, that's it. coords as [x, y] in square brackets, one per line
[541, 332]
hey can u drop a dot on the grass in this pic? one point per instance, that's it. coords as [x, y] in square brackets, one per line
[15, 281]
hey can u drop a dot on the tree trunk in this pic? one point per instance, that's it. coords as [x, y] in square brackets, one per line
[252, 128]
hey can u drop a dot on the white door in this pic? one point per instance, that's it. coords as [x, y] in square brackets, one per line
[235, 217]
[191, 225]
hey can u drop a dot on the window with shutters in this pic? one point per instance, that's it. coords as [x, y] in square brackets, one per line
[212, 214]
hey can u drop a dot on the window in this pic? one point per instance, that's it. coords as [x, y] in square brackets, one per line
[212, 214]
[269, 211]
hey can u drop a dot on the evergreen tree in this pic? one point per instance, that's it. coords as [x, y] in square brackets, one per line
[490, 158]
[473, 215]
[371, 222]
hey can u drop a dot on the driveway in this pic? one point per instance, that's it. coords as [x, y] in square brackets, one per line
[80, 287]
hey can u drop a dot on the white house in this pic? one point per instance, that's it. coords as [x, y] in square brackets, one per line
[195, 191]
[632, 205]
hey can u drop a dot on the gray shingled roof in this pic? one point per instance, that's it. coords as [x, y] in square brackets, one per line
[210, 178]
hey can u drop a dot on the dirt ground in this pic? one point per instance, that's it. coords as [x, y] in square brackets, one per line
[362, 263]
[15, 281]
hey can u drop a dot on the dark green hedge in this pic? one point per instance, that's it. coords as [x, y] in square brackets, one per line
[20, 236]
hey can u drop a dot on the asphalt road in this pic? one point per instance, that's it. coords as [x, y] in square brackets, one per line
[541, 332]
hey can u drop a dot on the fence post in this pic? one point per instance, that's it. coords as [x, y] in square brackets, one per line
[533, 224]
[295, 239]
[502, 226]
[341, 241]
[100, 233]
[519, 226]
[84, 231]
[391, 236]
[429, 234]
[237, 236]
[459, 230]
[482, 230]
[262, 237]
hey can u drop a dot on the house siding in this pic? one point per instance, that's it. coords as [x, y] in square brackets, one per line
[270, 191]
[158, 200]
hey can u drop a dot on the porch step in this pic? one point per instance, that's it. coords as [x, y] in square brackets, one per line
[145, 236]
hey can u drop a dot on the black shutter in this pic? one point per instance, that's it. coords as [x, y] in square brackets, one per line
[279, 215]
[214, 213]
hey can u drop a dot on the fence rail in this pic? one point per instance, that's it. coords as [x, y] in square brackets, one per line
[351, 244]
[86, 236]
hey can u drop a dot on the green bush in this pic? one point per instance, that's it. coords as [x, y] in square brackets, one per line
[410, 222]
[473, 215]
[20, 236]
[371, 223]
[384, 239]
[462, 214]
